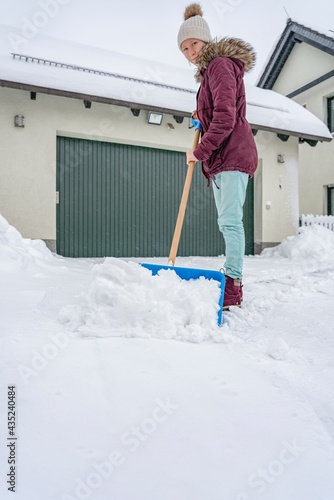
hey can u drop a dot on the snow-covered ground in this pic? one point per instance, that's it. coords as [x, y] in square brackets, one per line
[126, 389]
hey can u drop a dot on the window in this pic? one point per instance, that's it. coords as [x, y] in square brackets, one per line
[330, 113]
[330, 200]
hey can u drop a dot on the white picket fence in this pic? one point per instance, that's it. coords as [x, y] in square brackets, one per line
[321, 220]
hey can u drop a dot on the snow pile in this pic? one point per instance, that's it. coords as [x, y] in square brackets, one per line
[18, 253]
[124, 299]
[313, 247]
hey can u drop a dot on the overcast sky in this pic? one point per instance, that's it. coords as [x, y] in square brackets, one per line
[148, 28]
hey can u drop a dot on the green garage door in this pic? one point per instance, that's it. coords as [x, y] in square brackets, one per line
[122, 201]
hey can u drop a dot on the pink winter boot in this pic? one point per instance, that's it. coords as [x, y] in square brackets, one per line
[233, 292]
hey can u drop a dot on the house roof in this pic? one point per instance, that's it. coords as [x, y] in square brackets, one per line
[293, 33]
[45, 65]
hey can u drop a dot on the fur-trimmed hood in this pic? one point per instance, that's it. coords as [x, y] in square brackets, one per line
[227, 47]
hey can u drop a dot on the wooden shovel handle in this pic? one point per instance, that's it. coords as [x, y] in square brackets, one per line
[183, 205]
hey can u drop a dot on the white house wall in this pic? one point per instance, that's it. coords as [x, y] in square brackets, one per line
[276, 190]
[28, 160]
[316, 164]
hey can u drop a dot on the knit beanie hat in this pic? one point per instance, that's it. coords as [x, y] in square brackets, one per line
[194, 26]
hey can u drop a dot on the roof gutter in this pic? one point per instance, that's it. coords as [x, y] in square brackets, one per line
[107, 100]
[87, 97]
[282, 131]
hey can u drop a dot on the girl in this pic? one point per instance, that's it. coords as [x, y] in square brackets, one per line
[227, 149]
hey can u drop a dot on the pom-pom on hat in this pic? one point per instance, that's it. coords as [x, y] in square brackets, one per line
[194, 26]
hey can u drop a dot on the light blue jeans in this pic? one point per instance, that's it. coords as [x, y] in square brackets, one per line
[230, 199]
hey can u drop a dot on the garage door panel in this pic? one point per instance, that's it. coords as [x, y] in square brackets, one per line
[122, 201]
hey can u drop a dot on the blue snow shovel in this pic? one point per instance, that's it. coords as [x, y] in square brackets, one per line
[188, 273]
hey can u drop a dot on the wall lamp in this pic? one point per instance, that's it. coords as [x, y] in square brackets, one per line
[88, 104]
[135, 112]
[154, 118]
[19, 121]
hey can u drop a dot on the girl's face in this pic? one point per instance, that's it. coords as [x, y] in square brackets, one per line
[191, 49]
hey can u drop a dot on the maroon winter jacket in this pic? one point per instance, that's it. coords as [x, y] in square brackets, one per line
[227, 141]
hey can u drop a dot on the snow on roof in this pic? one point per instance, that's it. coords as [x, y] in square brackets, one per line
[270, 110]
[47, 64]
